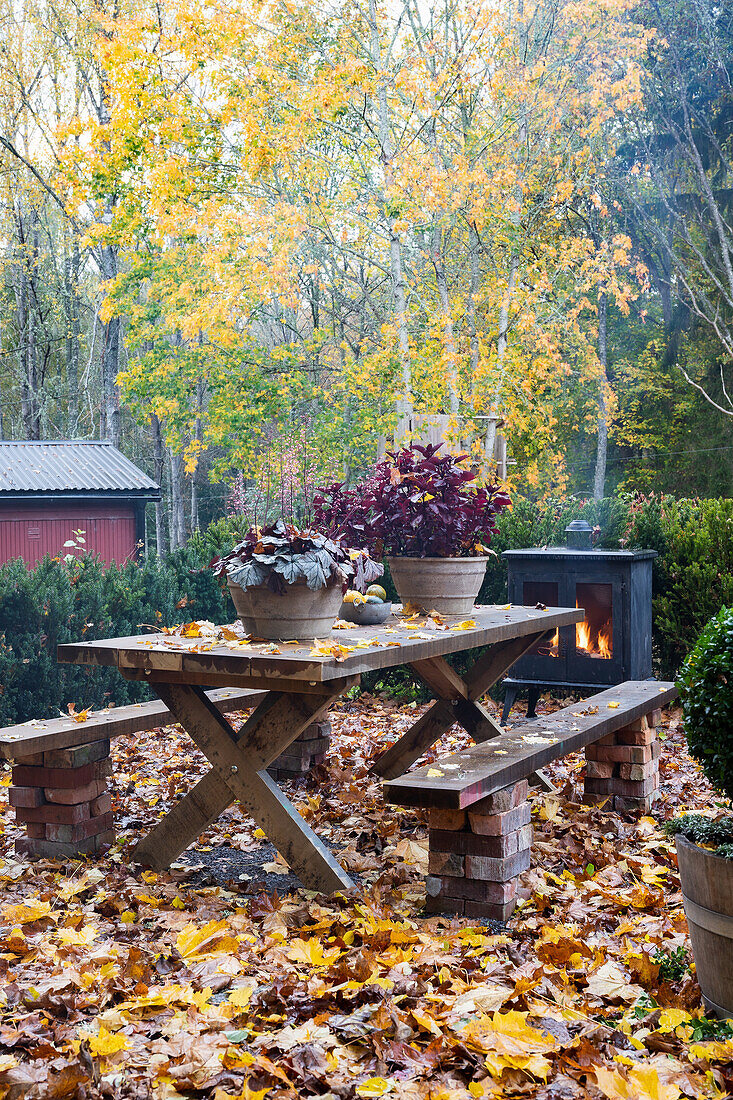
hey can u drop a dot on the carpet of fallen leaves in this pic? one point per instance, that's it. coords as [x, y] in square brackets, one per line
[118, 982]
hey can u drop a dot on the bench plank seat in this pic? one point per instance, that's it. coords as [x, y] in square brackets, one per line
[458, 781]
[62, 733]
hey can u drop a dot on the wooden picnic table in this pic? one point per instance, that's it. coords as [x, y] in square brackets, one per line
[302, 681]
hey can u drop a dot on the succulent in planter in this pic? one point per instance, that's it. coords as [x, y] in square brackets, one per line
[704, 843]
[425, 508]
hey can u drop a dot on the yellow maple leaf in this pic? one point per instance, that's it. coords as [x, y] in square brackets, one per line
[467, 624]
[517, 1045]
[643, 1083]
[311, 952]
[434, 773]
[670, 1019]
[106, 1042]
[246, 1094]
[213, 938]
[81, 716]
[374, 1086]
[82, 937]
[613, 706]
[716, 1050]
[240, 998]
[330, 649]
[191, 630]
[26, 913]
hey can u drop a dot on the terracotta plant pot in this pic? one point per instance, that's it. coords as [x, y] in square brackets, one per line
[707, 893]
[448, 585]
[298, 615]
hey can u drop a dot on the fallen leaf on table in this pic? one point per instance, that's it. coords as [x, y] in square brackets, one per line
[229, 635]
[467, 624]
[330, 649]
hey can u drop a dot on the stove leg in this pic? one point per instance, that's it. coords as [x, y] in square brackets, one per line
[533, 695]
[510, 699]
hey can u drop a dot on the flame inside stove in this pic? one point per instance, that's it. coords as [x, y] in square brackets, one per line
[594, 643]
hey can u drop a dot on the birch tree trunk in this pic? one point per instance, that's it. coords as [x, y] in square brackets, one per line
[177, 514]
[473, 286]
[110, 365]
[502, 341]
[198, 435]
[599, 480]
[161, 544]
[399, 290]
[449, 339]
[72, 307]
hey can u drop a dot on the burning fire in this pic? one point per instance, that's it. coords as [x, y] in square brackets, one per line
[600, 646]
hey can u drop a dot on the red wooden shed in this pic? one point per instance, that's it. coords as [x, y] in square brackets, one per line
[49, 490]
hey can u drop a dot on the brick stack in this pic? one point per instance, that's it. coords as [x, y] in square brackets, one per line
[477, 855]
[62, 799]
[305, 752]
[622, 770]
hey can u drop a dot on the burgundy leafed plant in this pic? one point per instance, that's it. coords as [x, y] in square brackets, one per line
[420, 502]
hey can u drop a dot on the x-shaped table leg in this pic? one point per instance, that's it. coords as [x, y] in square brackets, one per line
[456, 702]
[238, 761]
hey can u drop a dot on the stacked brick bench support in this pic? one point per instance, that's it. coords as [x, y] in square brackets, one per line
[480, 832]
[60, 771]
[306, 751]
[622, 769]
[476, 855]
[61, 798]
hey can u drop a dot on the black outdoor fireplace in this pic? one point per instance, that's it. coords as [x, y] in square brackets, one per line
[612, 644]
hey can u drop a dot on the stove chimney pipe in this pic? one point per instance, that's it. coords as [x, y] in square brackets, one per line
[579, 535]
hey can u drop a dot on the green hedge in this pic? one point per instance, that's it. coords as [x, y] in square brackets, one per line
[61, 602]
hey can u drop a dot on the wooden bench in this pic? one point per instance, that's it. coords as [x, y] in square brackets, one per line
[479, 816]
[61, 766]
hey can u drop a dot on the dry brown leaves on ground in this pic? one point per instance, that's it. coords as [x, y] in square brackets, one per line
[117, 982]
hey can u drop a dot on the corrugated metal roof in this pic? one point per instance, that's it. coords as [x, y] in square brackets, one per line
[68, 466]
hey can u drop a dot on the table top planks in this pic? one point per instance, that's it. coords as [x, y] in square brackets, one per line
[362, 648]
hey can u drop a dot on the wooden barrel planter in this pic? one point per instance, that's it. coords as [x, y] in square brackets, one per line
[707, 893]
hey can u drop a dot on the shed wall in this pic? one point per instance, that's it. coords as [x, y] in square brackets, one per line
[30, 532]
